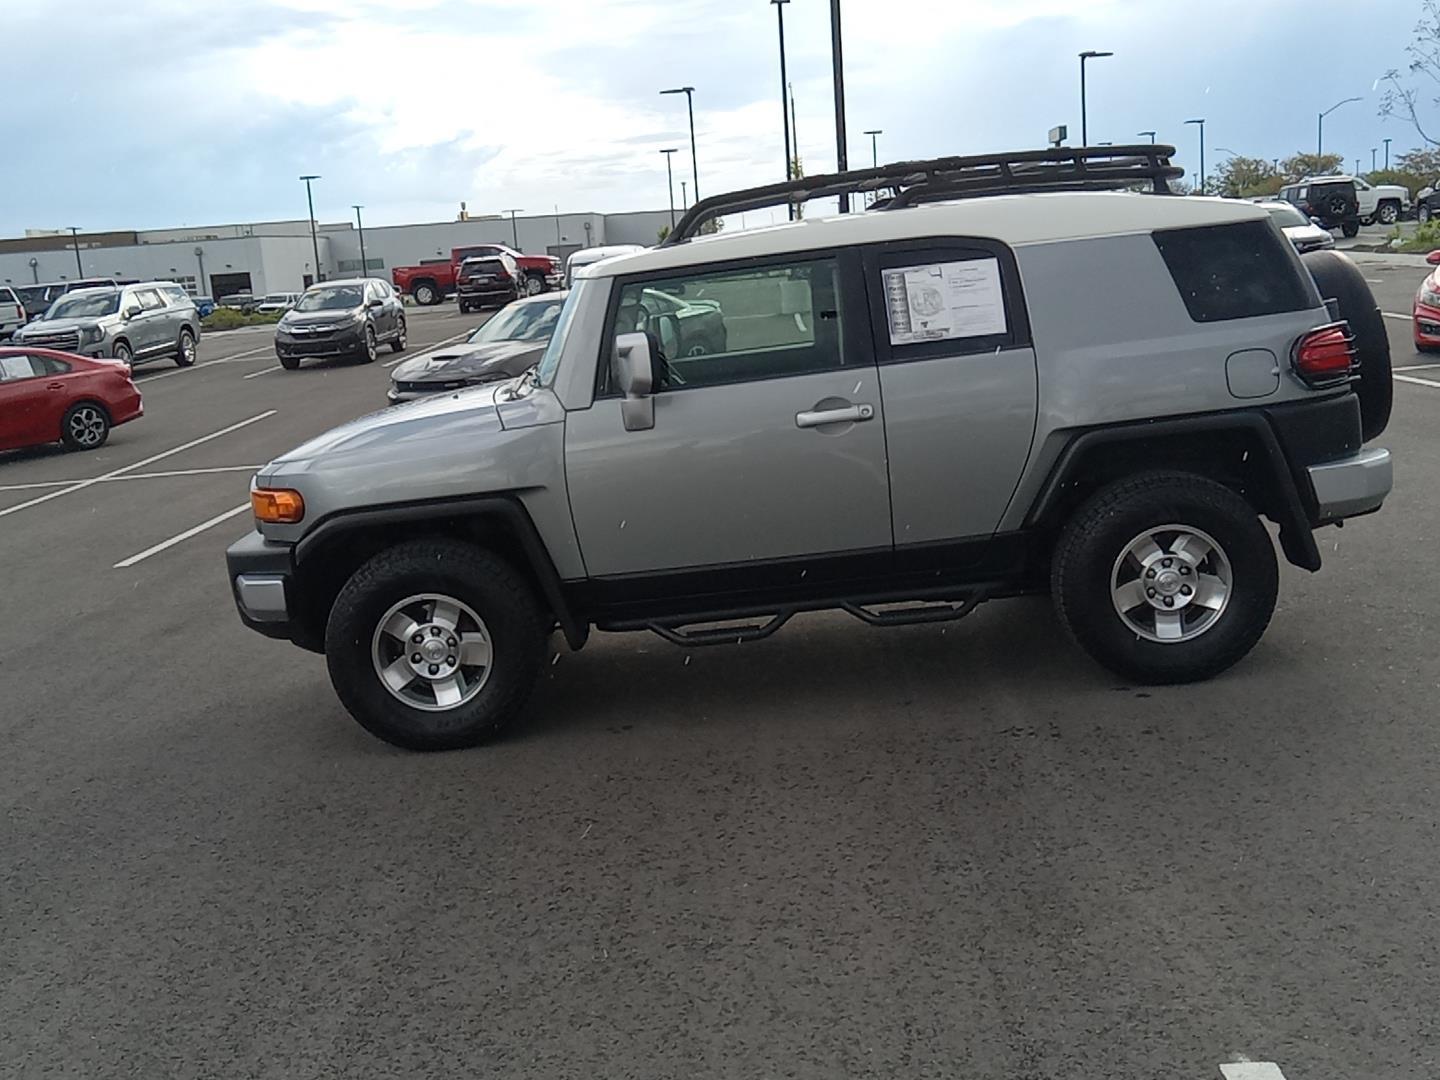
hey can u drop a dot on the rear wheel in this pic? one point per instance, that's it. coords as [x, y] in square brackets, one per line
[185, 350]
[1423, 214]
[398, 345]
[435, 645]
[426, 294]
[1389, 213]
[85, 426]
[1165, 578]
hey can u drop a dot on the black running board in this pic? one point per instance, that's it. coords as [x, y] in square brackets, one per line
[753, 624]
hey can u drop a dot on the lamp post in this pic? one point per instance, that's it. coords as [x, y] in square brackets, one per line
[1387, 154]
[874, 152]
[35, 269]
[1373, 151]
[684, 196]
[75, 239]
[670, 181]
[202, 289]
[1201, 122]
[514, 229]
[314, 240]
[1142, 134]
[784, 105]
[360, 224]
[1088, 54]
[837, 66]
[1320, 129]
[689, 92]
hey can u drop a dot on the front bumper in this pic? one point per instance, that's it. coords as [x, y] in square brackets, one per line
[261, 573]
[1427, 324]
[1353, 485]
[349, 339]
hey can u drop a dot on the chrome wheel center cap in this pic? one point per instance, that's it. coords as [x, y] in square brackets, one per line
[1167, 582]
[434, 650]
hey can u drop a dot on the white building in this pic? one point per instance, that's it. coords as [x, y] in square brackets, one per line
[279, 256]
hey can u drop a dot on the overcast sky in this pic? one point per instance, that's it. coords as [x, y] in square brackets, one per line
[170, 112]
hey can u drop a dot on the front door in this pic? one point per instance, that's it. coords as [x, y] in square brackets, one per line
[148, 330]
[768, 442]
[24, 402]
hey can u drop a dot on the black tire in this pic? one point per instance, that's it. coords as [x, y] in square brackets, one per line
[369, 345]
[1350, 229]
[121, 351]
[1388, 212]
[534, 285]
[85, 426]
[490, 586]
[185, 348]
[289, 363]
[398, 345]
[1339, 279]
[426, 294]
[1094, 541]
[464, 308]
[1423, 214]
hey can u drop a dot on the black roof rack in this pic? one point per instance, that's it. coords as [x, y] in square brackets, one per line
[905, 183]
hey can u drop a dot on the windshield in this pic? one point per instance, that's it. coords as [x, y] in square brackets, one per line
[531, 321]
[550, 362]
[84, 306]
[1286, 215]
[331, 298]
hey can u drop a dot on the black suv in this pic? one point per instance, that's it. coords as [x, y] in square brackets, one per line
[1333, 203]
[490, 280]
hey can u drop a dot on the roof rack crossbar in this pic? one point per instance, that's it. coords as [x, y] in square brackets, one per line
[1086, 168]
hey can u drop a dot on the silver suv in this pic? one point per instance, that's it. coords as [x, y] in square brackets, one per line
[967, 392]
[132, 323]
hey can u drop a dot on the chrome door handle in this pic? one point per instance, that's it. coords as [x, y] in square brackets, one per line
[852, 414]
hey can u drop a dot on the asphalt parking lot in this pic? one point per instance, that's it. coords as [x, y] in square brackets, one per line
[957, 851]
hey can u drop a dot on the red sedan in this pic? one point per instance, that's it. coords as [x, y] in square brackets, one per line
[48, 396]
[1427, 309]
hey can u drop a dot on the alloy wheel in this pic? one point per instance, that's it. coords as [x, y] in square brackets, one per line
[432, 652]
[87, 426]
[1171, 583]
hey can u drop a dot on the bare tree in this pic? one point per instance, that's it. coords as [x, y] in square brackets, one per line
[1407, 101]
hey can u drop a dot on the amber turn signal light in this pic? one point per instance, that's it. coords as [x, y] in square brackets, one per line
[277, 506]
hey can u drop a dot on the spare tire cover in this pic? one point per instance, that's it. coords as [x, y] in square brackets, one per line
[1339, 279]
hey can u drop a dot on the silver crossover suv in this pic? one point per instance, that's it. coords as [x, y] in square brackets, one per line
[132, 323]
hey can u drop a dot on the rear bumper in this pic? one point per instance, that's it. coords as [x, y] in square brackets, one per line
[261, 573]
[1352, 486]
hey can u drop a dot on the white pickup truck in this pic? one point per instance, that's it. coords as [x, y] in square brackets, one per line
[1383, 203]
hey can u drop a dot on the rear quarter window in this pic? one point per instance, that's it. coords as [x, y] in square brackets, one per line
[1238, 271]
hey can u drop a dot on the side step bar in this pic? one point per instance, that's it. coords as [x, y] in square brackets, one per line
[735, 627]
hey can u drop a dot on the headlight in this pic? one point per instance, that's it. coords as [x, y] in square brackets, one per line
[1430, 298]
[92, 335]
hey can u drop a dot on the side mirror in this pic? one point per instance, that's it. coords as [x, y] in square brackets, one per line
[1433, 258]
[374, 301]
[635, 372]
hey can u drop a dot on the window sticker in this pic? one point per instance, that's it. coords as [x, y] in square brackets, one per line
[944, 301]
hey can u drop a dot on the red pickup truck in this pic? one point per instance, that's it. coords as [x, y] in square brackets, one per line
[431, 283]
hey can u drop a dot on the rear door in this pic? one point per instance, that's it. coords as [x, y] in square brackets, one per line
[767, 455]
[958, 379]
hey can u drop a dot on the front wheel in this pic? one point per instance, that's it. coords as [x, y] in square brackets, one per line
[121, 351]
[1351, 229]
[185, 350]
[398, 345]
[1423, 214]
[370, 347]
[1165, 578]
[435, 644]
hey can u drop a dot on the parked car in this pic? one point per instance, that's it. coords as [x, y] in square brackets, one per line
[1298, 228]
[1347, 202]
[132, 323]
[432, 282]
[12, 312]
[277, 301]
[1425, 314]
[916, 410]
[38, 298]
[204, 305]
[243, 302]
[353, 317]
[587, 256]
[508, 344]
[48, 396]
[1382, 204]
[489, 281]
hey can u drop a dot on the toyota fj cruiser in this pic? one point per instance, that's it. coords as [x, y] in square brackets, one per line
[996, 381]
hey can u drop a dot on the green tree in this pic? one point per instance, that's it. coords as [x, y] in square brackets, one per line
[1303, 165]
[1245, 178]
[664, 232]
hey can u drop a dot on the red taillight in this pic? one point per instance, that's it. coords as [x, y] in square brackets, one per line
[1326, 355]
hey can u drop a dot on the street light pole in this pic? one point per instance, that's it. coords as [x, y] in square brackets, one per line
[1201, 122]
[837, 64]
[684, 194]
[1088, 54]
[360, 223]
[1320, 129]
[1140, 134]
[1387, 154]
[670, 180]
[75, 238]
[314, 239]
[874, 153]
[1373, 151]
[784, 105]
[689, 92]
[514, 229]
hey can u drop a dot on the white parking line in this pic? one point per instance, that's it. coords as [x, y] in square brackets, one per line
[138, 465]
[132, 476]
[181, 537]
[427, 348]
[144, 377]
[1251, 1070]
[1414, 367]
[1395, 315]
[1416, 381]
[265, 371]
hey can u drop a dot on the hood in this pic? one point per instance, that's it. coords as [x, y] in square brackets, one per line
[50, 326]
[462, 415]
[455, 362]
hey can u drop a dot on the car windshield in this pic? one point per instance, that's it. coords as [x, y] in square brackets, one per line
[1286, 215]
[529, 320]
[331, 298]
[84, 305]
[550, 363]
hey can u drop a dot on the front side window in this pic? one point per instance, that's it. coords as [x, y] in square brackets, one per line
[730, 326]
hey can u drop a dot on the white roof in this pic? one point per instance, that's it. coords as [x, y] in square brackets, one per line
[1015, 220]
